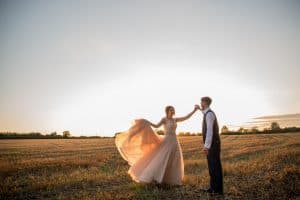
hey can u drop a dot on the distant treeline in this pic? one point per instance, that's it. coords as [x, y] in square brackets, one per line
[38, 135]
[265, 131]
[274, 128]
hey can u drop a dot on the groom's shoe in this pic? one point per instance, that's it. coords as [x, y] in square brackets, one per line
[208, 190]
[218, 192]
[211, 191]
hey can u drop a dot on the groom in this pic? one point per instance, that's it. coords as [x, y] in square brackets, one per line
[212, 147]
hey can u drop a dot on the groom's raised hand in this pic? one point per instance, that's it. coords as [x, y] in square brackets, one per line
[197, 107]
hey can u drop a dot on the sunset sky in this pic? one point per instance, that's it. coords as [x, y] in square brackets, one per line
[91, 67]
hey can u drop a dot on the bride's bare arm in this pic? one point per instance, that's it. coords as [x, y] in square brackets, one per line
[180, 119]
[158, 124]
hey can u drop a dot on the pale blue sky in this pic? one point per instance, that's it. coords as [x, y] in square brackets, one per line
[93, 66]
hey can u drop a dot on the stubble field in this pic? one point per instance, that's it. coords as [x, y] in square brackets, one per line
[254, 167]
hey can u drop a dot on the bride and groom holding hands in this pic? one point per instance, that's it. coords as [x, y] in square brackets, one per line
[158, 158]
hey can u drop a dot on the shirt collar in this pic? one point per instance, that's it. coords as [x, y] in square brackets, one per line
[205, 111]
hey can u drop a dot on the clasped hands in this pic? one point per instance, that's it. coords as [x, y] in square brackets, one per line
[197, 107]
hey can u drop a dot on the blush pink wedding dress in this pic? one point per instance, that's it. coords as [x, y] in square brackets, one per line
[152, 157]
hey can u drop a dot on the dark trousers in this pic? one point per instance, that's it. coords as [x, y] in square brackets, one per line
[215, 170]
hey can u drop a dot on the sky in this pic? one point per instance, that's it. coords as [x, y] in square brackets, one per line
[92, 67]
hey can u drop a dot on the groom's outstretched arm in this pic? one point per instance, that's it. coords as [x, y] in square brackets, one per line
[210, 117]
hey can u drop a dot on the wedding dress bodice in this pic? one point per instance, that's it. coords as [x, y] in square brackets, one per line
[170, 126]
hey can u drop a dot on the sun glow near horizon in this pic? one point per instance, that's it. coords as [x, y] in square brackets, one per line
[106, 109]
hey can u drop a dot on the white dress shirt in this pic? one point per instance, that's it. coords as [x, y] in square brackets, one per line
[210, 117]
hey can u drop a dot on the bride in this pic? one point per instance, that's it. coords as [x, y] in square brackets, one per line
[154, 157]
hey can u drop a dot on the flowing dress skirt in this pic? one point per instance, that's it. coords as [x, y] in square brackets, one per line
[151, 157]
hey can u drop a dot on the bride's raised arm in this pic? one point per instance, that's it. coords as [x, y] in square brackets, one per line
[158, 124]
[180, 119]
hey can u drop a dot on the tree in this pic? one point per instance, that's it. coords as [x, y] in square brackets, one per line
[254, 129]
[224, 129]
[66, 134]
[275, 126]
[187, 134]
[241, 130]
[53, 134]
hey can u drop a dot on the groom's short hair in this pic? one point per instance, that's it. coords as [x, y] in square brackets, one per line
[208, 100]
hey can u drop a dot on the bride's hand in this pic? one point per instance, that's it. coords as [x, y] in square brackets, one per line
[197, 107]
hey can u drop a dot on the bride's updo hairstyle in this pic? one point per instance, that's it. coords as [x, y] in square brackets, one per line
[168, 108]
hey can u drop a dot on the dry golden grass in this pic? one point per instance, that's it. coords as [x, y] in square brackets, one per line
[255, 167]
